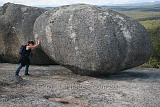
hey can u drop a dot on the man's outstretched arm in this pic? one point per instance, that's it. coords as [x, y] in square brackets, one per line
[34, 46]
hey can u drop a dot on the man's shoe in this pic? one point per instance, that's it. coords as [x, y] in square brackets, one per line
[27, 74]
[17, 75]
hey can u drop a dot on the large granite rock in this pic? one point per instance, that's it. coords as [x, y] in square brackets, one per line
[90, 40]
[16, 29]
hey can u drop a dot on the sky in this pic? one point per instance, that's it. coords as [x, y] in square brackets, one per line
[66, 2]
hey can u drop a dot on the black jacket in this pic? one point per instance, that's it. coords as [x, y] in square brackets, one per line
[25, 57]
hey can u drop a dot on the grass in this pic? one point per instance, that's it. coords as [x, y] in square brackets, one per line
[152, 24]
[153, 28]
[154, 8]
[141, 14]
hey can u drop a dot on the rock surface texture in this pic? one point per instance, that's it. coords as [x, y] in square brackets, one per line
[56, 86]
[90, 40]
[16, 29]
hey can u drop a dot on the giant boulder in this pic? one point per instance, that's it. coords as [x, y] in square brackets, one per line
[90, 40]
[16, 29]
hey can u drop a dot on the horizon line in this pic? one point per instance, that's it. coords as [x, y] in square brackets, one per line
[117, 4]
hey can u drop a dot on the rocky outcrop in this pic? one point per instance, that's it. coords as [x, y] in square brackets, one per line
[90, 40]
[16, 29]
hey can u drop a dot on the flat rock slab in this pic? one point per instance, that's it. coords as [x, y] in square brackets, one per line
[56, 86]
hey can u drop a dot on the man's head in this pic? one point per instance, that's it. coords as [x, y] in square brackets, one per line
[30, 43]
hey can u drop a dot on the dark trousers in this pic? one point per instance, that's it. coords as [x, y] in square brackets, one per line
[19, 68]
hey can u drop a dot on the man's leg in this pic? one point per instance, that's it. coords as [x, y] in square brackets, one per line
[18, 69]
[26, 69]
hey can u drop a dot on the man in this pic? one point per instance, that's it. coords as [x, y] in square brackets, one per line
[24, 60]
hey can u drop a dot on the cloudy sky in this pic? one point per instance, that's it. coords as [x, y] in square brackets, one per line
[65, 2]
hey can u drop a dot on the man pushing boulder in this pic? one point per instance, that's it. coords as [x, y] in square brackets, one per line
[25, 52]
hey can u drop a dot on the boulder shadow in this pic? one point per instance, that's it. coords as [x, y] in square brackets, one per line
[131, 75]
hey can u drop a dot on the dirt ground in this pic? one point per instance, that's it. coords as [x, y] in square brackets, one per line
[55, 86]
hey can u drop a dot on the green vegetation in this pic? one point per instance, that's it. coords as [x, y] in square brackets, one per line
[149, 17]
[154, 8]
[153, 27]
[141, 14]
[152, 24]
